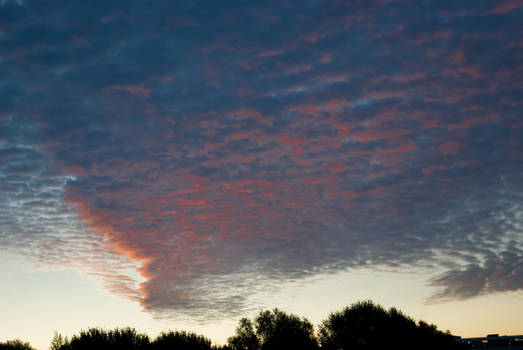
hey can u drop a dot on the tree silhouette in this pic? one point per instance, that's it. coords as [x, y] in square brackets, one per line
[58, 342]
[181, 340]
[245, 338]
[365, 325]
[274, 330]
[119, 338]
[16, 344]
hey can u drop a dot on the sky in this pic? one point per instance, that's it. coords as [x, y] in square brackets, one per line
[183, 164]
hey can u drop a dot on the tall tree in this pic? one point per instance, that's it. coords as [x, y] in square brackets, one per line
[245, 337]
[59, 342]
[365, 325]
[274, 330]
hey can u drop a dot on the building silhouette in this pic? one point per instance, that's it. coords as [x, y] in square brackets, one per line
[493, 341]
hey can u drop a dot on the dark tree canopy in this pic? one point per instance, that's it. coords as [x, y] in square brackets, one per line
[130, 339]
[274, 330]
[365, 325]
[97, 338]
[181, 340]
[15, 345]
[245, 337]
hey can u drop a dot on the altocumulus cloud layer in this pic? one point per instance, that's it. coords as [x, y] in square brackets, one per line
[222, 147]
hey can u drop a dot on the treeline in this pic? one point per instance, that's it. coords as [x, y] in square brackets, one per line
[363, 325]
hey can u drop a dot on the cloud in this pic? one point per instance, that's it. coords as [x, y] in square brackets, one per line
[191, 163]
[506, 6]
[17, 2]
[138, 91]
[36, 222]
[496, 265]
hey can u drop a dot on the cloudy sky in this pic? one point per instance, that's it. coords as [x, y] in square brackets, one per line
[171, 163]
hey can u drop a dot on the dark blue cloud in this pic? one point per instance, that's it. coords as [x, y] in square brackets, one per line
[230, 142]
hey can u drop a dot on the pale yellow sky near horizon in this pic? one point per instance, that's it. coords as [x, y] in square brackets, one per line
[37, 303]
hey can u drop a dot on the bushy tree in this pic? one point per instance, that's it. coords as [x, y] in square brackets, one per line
[59, 342]
[119, 338]
[359, 326]
[181, 340]
[16, 344]
[221, 347]
[245, 337]
[274, 330]
[365, 325]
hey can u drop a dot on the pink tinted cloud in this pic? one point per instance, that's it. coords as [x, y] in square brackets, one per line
[135, 90]
[271, 53]
[376, 134]
[506, 6]
[275, 155]
[467, 123]
[450, 147]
